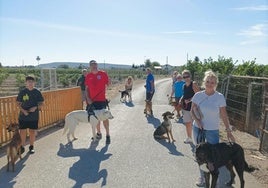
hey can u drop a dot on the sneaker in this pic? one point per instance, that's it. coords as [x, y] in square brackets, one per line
[99, 136]
[22, 150]
[200, 182]
[188, 141]
[31, 149]
[108, 139]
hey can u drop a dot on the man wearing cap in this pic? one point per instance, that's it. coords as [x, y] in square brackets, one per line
[96, 83]
[29, 102]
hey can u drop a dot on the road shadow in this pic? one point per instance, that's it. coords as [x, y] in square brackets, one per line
[8, 179]
[154, 121]
[170, 146]
[87, 168]
[129, 104]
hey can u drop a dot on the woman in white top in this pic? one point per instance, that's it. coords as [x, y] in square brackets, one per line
[208, 106]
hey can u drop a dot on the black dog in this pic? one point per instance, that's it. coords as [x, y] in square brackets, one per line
[217, 155]
[124, 95]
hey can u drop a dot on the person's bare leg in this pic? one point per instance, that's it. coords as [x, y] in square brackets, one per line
[106, 126]
[32, 136]
[98, 128]
[23, 133]
[189, 129]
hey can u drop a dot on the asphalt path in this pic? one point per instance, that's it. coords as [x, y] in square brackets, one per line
[133, 159]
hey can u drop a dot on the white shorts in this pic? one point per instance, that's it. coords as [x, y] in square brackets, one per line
[187, 117]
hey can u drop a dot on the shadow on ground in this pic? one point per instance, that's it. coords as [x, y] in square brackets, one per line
[171, 147]
[7, 179]
[87, 168]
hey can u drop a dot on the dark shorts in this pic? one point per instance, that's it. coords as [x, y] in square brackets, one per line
[28, 124]
[98, 105]
[149, 96]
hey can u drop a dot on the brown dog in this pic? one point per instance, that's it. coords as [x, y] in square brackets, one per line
[13, 148]
[148, 108]
[217, 155]
[165, 128]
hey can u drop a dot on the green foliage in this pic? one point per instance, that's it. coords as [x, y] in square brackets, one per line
[3, 75]
[226, 66]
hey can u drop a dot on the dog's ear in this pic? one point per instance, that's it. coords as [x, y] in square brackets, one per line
[164, 114]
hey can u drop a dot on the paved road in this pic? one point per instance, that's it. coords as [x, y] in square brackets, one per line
[133, 159]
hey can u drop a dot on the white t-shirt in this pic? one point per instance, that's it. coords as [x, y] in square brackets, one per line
[210, 108]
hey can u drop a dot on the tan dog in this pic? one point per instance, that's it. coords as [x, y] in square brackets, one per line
[148, 108]
[13, 148]
[165, 128]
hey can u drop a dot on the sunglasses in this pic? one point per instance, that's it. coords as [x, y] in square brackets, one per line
[186, 76]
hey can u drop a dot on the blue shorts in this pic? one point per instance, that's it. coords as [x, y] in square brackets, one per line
[149, 96]
[211, 136]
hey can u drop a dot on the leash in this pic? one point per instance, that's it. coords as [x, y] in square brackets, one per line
[201, 137]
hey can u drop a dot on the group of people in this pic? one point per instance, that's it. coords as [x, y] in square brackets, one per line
[201, 110]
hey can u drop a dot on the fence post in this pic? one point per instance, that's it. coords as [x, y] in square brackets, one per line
[248, 107]
[227, 87]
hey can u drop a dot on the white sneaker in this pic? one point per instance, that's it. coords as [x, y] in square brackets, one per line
[200, 182]
[188, 141]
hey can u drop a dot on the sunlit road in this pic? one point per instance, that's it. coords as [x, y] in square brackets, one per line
[133, 159]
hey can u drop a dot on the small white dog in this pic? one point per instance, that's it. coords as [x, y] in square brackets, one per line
[73, 118]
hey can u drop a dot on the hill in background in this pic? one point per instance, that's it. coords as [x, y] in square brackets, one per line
[84, 65]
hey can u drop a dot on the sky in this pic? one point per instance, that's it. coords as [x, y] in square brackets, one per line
[129, 32]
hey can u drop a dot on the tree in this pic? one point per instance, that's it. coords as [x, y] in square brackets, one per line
[148, 63]
[155, 63]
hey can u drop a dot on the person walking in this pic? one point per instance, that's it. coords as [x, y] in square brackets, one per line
[189, 89]
[29, 101]
[177, 91]
[96, 84]
[208, 106]
[81, 83]
[150, 89]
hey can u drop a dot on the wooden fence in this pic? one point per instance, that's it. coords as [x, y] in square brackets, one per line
[56, 105]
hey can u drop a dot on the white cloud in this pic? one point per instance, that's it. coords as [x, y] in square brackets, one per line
[253, 8]
[188, 32]
[259, 30]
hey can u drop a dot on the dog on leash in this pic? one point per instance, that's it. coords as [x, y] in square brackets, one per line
[14, 147]
[73, 118]
[126, 94]
[217, 155]
[165, 128]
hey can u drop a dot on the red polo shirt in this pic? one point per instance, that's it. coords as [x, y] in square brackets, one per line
[96, 84]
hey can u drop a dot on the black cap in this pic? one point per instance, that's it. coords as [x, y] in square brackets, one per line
[29, 78]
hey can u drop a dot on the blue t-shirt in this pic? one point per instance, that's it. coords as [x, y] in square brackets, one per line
[149, 79]
[178, 88]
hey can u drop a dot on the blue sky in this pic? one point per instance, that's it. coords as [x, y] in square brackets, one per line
[127, 32]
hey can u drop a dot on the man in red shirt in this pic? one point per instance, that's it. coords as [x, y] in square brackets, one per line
[96, 83]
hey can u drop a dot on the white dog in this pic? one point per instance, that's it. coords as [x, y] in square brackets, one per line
[73, 118]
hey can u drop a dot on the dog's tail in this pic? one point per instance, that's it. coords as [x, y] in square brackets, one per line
[249, 168]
